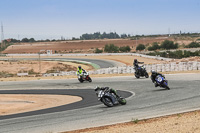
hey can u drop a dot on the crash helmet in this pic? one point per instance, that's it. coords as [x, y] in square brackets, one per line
[96, 88]
[79, 67]
[153, 71]
[135, 60]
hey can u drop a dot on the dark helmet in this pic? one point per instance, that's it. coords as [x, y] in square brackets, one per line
[79, 67]
[135, 60]
[153, 72]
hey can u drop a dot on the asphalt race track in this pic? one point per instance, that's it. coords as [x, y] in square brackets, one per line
[146, 101]
[101, 63]
[89, 99]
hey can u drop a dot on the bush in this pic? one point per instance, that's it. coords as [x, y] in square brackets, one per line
[155, 46]
[176, 54]
[169, 45]
[193, 45]
[111, 48]
[98, 50]
[140, 47]
[125, 49]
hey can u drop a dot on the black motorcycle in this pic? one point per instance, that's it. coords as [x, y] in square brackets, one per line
[109, 99]
[141, 72]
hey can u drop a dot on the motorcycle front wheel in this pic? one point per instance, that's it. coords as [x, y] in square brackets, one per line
[107, 101]
[122, 100]
[137, 76]
[89, 79]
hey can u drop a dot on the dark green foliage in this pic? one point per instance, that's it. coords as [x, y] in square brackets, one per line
[32, 72]
[111, 48]
[5, 45]
[5, 74]
[25, 40]
[124, 36]
[176, 54]
[28, 40]
[125, 49]
[31, 40]
[169, 45]
[193, 45]
[140, 47]
[98, 35]
[155, 46]
[98, 50]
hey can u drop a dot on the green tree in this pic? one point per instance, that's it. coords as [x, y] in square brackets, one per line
[111, 48]
[25, 40]
[193, 45]
[98, 50]
[140, 47]
[31, 40]
[155, 46]
[125, 49]
[169, 45]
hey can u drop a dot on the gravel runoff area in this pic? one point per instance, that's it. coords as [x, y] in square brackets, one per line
[179, 123]
[19, 103]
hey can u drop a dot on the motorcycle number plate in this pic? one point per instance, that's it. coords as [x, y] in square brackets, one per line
[159, 79]
[101, 93]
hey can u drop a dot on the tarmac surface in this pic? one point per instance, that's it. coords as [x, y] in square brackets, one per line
[146, 101]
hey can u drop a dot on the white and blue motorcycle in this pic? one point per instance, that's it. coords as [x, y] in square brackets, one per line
[162, 82]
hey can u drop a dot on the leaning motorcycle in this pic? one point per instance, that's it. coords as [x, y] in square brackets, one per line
[162, 82]
[84, 77]
[141, 72]
[109, 99]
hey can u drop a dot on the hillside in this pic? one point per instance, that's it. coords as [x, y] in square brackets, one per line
[80, 46]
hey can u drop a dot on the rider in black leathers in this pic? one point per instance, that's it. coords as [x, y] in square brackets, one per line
[153, 77]
[135, 64]
[111, 90]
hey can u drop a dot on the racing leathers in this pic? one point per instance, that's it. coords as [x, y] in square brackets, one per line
[153, 77]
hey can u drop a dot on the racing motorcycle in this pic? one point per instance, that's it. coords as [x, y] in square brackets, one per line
[162, 82]
[141, 72]
[84, 77]
[109, 99]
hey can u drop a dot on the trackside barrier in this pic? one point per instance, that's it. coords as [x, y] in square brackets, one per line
[181, 66]
[93, 54]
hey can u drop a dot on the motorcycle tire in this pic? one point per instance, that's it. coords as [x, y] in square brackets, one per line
[167, 87]
[146, 75]
[137, 76]
[122, 100]
[89, 79]
[80, 80]
[107, 101]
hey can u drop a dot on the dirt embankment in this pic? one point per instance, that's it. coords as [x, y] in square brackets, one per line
[84, 46]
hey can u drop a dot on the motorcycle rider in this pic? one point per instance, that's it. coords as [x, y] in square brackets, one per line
[111, 90]
[135, 64]
[154, 75]
[80, 71]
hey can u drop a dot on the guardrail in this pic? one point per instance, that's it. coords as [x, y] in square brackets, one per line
[93, 54]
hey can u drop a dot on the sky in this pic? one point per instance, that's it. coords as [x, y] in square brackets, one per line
[51, 19]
